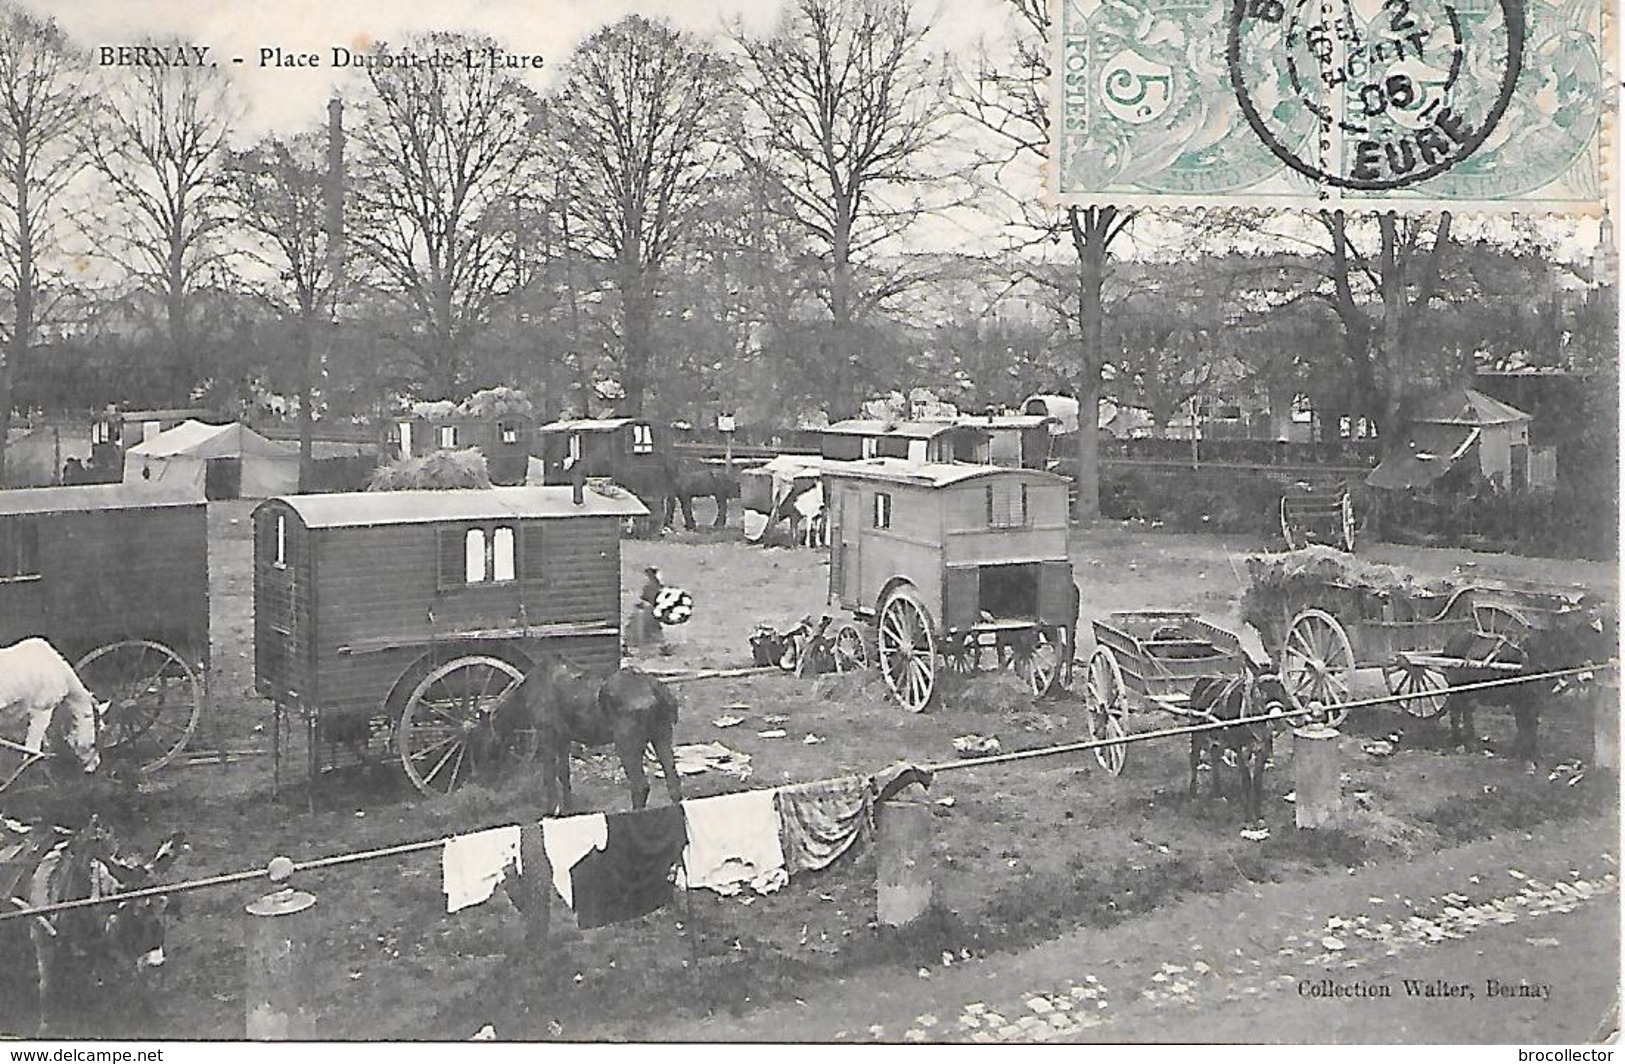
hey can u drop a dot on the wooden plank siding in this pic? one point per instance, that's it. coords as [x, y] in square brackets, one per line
[387, 601]
[107, 575]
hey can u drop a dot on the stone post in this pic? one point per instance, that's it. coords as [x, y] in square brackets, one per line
[903, 861]
[277, 984]
[1605, 722]
[1315, 772]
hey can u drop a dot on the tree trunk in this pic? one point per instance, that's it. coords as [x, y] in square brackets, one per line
[637, 312]
[307, 374]
[23, 327]
[1091, 232]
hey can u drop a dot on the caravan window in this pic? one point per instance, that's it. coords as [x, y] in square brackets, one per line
[643, 439]
[448, 436]
[882, 509]
[279, 555]
[489, 556]
[502, 554]
[509, 431]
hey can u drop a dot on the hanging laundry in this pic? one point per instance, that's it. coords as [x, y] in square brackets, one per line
[733, 840]
[632, 875]
[471, 866]
[567, 840]
[818, 822]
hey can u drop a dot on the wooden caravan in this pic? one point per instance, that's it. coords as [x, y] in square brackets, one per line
[116, 577]
[397, 621]
[1011, 440]
[506, 440]
[953, 566]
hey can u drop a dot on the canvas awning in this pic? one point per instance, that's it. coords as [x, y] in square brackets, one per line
[1430, 452]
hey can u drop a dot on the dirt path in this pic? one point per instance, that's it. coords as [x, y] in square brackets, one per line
[1252, 965]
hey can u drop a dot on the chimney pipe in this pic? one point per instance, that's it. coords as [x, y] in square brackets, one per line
[578, 482]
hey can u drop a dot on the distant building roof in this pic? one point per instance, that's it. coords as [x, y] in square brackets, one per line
[913, 430]
[353, 509]
[925, 474]
[998, 421]
[587, 424]
[1467, 406]
[93, 497]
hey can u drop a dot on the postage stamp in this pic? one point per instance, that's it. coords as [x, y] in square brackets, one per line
[1484, 105]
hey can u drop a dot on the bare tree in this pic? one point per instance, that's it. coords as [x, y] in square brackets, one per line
[43, 108]
[640, 117]
[1008, 97]
[283, 189]
[848, 119]
[159, 144]
[442, 154]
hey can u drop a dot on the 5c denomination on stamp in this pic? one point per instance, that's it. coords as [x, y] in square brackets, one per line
[1486, 105]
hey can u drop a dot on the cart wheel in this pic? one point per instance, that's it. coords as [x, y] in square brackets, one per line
[153, 701]
[1039, 662]
[853, 647]
[1286, 525]
[1504, 631]
[1317, 662]
[1426, 684]
[961, 655]
[908, 649]
[444, 715]
[1103, 704]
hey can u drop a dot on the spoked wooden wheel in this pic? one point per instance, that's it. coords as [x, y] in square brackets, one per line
[852, 647]
[1501, 634]
[908, 650]
[1426, 686]
[1317, 662]
[1103, 704]
[447, 721]
[153, 701]
[1038, 660]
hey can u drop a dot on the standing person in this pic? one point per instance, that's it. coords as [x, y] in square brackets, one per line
[643, 627]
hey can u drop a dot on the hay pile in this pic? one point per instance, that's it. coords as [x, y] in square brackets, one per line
[1281, 585]
[438, 471]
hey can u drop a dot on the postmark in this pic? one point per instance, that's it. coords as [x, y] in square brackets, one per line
[1400, 90]
[1483, 105]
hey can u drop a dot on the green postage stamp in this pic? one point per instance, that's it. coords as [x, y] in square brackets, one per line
[1481, 105]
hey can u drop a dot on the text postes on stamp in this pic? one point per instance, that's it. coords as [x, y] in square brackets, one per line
[1494, 105]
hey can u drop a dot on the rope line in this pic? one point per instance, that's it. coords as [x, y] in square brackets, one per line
[339, 860]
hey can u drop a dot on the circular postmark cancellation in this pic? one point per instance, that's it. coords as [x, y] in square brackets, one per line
[1398, 91]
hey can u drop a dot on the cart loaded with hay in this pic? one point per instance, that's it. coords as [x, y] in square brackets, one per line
[1330, 613]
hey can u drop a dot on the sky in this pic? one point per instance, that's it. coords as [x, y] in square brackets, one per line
[286, 99]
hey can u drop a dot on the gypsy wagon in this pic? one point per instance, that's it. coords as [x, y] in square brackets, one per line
[949, 567]
[116, 577]
[397, 621]
[505, 440]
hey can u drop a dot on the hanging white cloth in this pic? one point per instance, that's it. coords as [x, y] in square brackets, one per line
[569, 839]
[733, 840]
[471, 866]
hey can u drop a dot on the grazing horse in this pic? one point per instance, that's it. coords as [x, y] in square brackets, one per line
[106, 946]
[36, 682]
[1246, 694]
[630, 709]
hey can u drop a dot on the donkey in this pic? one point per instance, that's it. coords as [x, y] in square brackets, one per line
[630, 710]
[85, 955]
[1247, 694]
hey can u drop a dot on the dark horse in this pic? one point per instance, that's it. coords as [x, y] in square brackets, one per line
[1247, 694]
[691, 477]
[630, 709]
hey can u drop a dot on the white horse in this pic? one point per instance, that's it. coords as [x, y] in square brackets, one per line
[35, 681]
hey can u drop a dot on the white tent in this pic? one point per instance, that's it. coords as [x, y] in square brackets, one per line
[224, 461]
